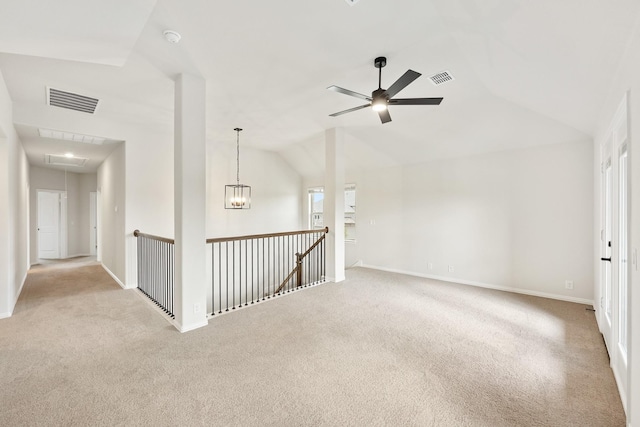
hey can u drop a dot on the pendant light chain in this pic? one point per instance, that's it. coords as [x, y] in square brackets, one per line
[238, 156]
[237, 196]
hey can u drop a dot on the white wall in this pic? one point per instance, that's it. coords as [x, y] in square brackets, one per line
[276, 190]
[627, 80]
[87, 183]
[518, 220]
[149, 193]
[78, 186]
[111, 187]
[14, 208]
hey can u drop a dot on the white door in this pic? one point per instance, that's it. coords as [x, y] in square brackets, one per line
[613, 291]
[48, 225]
[93, 223]
[606, 248]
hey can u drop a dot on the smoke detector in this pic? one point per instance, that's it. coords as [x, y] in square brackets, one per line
[351, 2]
[172, 36]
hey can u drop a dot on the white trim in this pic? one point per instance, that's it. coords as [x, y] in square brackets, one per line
[114, 277]
[76, 256]
[24, 280]
[156, 307]
[272, 298]
[184, 329]
[619, 383]
[10, 312]
[484, 285]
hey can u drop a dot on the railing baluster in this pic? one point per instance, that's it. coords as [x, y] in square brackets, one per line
[155, 269]
[282, 262]
[227, 271]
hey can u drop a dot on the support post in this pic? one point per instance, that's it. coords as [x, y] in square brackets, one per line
[334, 203]
[189, 202]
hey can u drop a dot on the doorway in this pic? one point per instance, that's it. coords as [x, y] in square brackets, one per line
[93, 223]
[612, 291]
[51, 214]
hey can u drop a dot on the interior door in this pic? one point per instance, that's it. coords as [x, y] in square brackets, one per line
[606, 249]
[613, 290]
[93, 223]
[48, 225]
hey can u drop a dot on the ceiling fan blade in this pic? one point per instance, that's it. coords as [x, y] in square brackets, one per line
[415, 101]
[402, 82]
[349, 92]
[384, 116]
[339, 113]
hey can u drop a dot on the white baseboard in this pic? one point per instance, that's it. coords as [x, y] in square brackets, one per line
[75, 256]
[188, 328]
[155, 306]
[355, 264]
[24, 280]
[15, 301]
[114, 277]
[621, 391]
[484, 285]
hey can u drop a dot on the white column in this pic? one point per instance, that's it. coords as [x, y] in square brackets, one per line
[334, 203]
[189, 199]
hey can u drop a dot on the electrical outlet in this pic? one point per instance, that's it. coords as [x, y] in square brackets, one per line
[451, 269]
[430, 266]
[568, 284]
[196, 308]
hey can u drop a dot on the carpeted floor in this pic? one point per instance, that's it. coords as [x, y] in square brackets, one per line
[377, 349]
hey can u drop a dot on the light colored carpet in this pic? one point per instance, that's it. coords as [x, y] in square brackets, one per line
[377, 349]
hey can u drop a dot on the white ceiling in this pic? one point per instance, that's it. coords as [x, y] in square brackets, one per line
[526, 73]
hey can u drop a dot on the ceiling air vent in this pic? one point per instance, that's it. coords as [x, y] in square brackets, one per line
[69, 136]
[443, 77]
[71, 101]
[54, 159]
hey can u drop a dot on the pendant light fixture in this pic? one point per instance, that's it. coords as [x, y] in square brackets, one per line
[237, 196]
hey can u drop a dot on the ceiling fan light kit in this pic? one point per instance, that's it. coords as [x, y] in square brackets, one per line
[237, 196]
[381, 98]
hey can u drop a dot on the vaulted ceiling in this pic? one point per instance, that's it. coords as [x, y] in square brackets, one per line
[525, 73]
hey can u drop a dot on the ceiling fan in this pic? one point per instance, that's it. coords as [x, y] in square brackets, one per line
[380, 98]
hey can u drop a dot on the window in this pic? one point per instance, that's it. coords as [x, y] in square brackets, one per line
[350, 213]
[316, 210]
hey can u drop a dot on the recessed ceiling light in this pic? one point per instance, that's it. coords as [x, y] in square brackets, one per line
[172, 36]
[69, 155]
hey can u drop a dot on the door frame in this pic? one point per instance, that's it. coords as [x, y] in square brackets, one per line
[611, 148]
[93, 223]
[62, 229]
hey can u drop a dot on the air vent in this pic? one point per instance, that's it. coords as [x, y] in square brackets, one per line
[56, 160]
[443, 77]
[71, 101]
[70, 136]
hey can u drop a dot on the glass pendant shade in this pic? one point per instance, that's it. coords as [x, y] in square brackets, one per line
[237, 196]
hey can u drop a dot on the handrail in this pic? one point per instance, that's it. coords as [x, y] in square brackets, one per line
[298, 267]
[320, 239]
[264, 236]
[137, 233]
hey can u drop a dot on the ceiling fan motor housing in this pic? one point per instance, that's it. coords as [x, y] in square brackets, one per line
[380, 94]
[380, 61]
